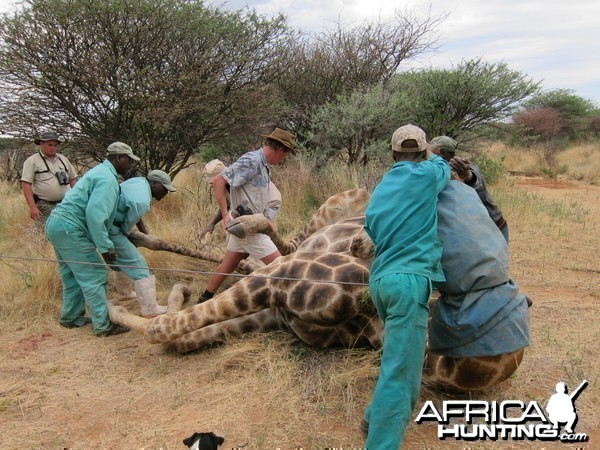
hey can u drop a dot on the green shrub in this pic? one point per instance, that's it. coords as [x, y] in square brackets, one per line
[491, 168]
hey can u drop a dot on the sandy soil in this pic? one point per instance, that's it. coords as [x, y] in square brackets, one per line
[67, 389]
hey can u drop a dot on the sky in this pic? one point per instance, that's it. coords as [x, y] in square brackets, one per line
[551, 41]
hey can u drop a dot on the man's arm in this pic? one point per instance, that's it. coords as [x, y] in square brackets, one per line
[462, 167]
[442, 170]
[34, 212]
[220, 186]
[99, 213]
[142, 227]
[211, 226]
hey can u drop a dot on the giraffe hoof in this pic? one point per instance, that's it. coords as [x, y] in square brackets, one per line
[237, 228]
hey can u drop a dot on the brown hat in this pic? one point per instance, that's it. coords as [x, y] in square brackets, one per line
[408, 133]
[47, 136]
[284, 137]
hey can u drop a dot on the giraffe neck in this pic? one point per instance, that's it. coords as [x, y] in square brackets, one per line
[345, 205]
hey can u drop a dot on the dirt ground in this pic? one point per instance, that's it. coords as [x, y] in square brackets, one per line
[67, 389]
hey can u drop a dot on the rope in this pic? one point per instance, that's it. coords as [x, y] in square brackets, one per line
[196, 272]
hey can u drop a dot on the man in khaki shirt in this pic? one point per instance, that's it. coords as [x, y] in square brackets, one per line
[47, 177]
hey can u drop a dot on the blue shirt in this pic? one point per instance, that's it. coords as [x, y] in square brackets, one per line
[401, 219]
[481, 311]
[91, 204]
[134, 203]
[249, 179]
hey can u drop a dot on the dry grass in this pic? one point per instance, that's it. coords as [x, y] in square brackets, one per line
[580, 162]
[65, 388]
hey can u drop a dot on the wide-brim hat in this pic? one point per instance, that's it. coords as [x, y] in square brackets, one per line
[47, 136]
[283, 137]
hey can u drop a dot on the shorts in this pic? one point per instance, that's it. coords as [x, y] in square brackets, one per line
[256, 245]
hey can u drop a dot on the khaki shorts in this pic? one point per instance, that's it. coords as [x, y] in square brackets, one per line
[256, 245]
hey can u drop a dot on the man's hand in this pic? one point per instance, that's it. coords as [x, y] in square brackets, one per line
[462, 167]
[109, 257]
[35, 213]
[206, 231]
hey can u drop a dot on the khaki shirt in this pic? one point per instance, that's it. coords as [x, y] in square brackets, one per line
[40, 172]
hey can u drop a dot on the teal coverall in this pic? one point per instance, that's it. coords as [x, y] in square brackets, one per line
[78, 230]
[401, 219]
[134, 203]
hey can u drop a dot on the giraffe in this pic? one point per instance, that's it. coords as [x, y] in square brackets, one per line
[154, 243]
[334, 311]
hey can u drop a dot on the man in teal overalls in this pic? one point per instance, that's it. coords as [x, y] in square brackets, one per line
[78, 230]
[401, 220]
[132, 276]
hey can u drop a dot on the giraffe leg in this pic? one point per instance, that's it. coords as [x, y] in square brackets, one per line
[217, 333]
[244, 225]
[119, 314]
[156, 244]
[233, 303]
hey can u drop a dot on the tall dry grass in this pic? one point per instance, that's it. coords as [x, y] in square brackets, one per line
[580, 162]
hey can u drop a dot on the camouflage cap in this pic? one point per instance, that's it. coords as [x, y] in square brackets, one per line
[119, 148]
[445, 143]
[409, 133]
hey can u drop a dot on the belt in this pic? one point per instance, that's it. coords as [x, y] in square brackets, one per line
[49, 202]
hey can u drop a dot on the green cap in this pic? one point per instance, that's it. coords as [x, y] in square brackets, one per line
[445, 143]
[161, 177]
[119, 148]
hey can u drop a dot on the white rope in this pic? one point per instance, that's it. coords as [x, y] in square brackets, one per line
[196, 272]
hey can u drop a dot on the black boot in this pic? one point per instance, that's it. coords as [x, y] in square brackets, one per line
[206, 295]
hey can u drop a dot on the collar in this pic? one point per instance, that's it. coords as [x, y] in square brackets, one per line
[108, 164]
[263, 158]
[46, 157]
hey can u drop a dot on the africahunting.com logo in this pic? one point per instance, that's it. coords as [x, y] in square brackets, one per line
[509, 419]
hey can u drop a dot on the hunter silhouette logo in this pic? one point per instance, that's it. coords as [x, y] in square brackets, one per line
[509, 419]
[561, 406]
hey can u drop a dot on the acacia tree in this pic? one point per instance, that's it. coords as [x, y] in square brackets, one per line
[165, 76]
[322, 66]
[577, 114]
[454, 101]
[356, 126]
[564, 101]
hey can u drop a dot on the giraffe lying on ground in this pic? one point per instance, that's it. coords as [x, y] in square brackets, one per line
[317, 290]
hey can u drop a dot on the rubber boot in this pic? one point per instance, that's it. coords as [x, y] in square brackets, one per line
[146, 296]
[124, 285]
